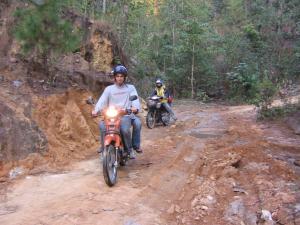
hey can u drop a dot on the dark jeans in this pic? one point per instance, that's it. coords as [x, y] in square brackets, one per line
[168, 108]
[129, 141]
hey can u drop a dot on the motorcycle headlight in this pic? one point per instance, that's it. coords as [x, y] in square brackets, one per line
[111, 112]
[151, 103]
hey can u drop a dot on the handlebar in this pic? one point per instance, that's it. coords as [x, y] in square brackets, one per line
[156, 97]
[120, 112]
[128, 111]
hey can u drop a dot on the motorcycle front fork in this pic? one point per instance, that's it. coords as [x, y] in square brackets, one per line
[116, 161]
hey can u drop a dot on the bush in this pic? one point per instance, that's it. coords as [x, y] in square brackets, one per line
[243, 83]
[41, 29]
[267, 91]
[265, 109]
[278, 112]
[202, 96]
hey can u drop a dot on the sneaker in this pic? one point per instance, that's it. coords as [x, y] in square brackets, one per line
[138, 150]
[174, 118]
[132, 154]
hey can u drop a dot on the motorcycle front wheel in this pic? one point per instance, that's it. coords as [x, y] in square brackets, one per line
[150, 119]
[109, 165]
[122, 158]
[165, 118]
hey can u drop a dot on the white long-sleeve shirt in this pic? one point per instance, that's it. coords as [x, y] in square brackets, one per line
[118, 96]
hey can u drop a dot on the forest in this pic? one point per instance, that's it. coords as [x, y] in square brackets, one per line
[235, 49]
[231, 154]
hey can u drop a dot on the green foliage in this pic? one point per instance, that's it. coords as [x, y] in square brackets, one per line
[272, 113]
[202, 96]
[253, 35]
[267, 91]
[243, 83]
[41, 28]
[242, 49]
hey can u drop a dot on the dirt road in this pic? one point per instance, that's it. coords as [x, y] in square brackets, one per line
[216, 165]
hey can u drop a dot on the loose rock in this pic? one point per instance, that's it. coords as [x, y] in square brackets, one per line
[177, 209]
[16, 172]
[171, 210]
[297, 207]
[240, 190]
[297, 162]
[204, 207]
[266, 215]
[235, 211]
[17, 83]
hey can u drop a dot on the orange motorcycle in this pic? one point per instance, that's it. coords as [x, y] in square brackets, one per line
[114, 153]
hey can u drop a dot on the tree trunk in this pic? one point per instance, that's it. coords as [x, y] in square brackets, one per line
[104, 7]
[125, 25]
[192, 75]
[173, 43]
[156, 10]
[85, 7]
[45, 56]
[173, 36]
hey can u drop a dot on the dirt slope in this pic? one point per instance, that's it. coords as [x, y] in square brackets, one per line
[44, 119]
[39, 128]
[67, 123]
[217, 165]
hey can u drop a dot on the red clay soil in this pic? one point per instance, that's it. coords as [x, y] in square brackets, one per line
[216, 165]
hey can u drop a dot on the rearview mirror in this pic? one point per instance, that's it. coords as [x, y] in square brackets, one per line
[132, 97]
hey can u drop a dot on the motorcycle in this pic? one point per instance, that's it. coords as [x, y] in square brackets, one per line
[156, 112]
[114, 153]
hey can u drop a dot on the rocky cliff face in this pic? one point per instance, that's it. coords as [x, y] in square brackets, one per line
[47, 116]
[19, 136]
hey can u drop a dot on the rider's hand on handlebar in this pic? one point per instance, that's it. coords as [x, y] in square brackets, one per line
[94, 113]
[134, 110]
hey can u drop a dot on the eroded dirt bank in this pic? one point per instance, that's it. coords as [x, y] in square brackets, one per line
[217, 165]
[42, 129]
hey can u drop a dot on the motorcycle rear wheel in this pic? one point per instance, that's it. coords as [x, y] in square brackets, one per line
[110, 171]
[150, 119]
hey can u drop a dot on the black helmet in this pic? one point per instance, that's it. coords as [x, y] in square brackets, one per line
[158, 83]
[120, 69]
